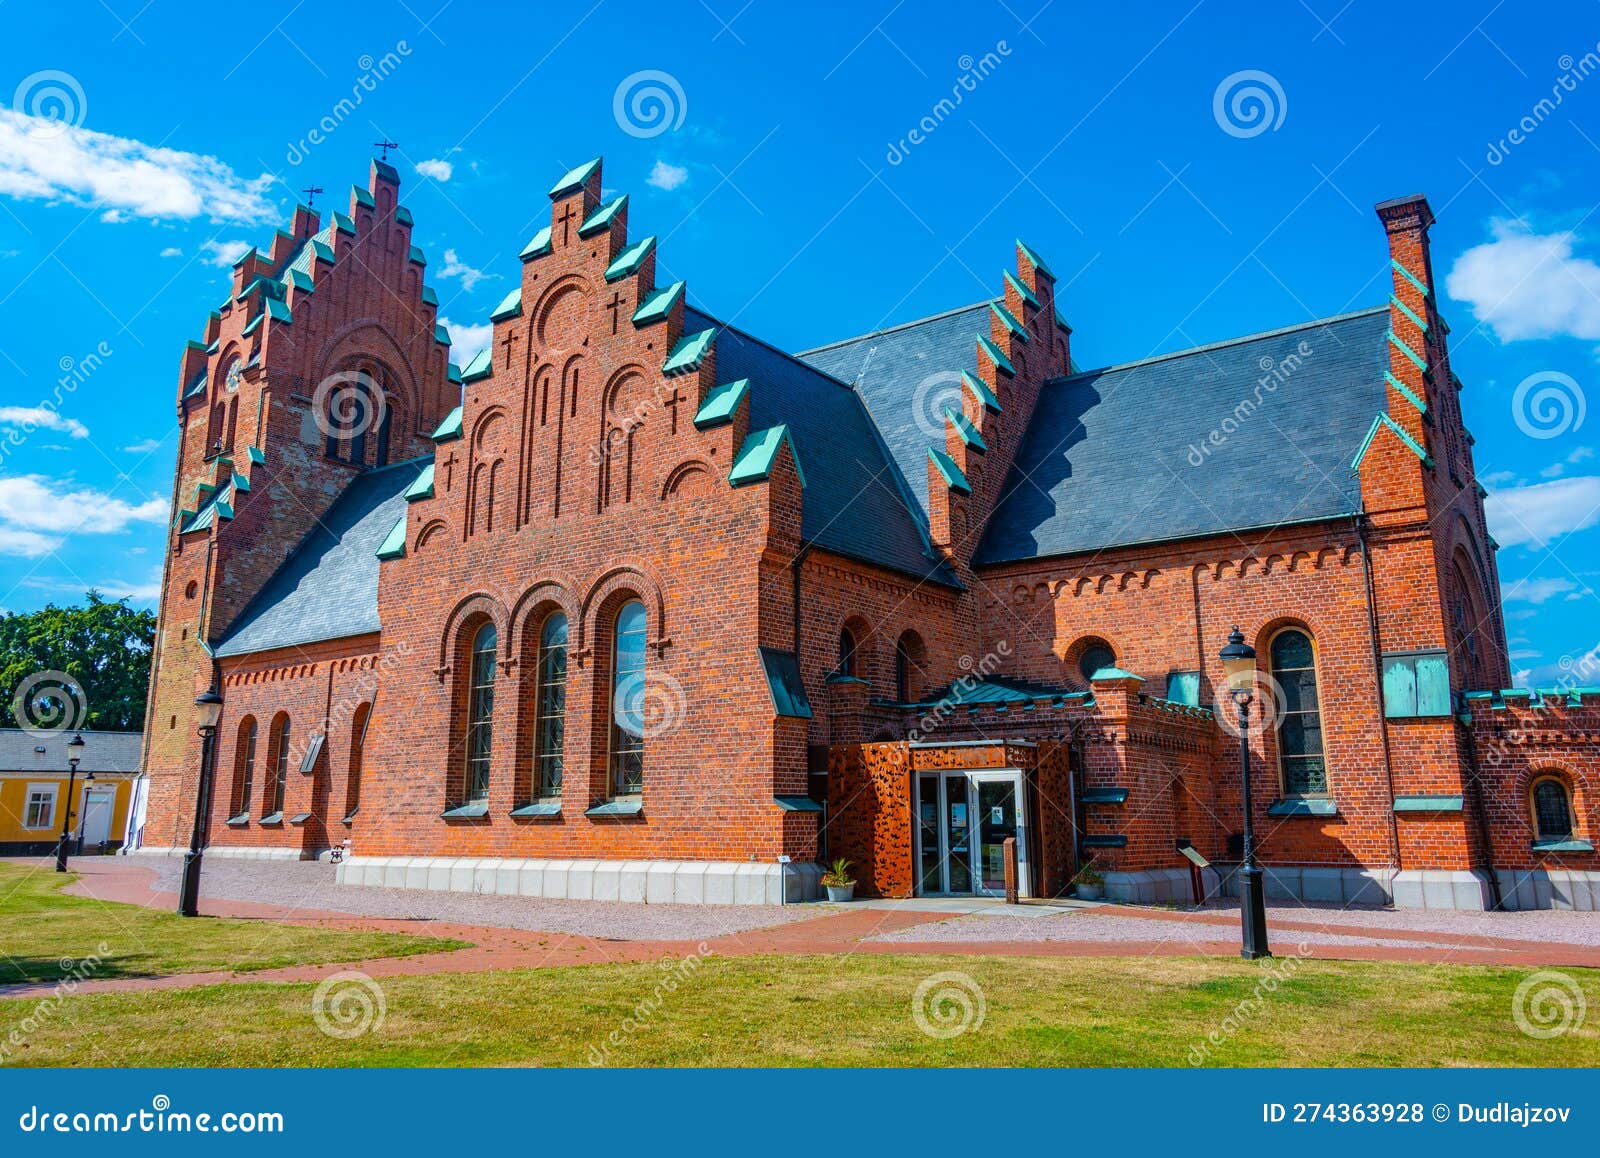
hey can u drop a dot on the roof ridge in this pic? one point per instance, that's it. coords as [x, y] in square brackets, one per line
[896, 328]
[1225, 343]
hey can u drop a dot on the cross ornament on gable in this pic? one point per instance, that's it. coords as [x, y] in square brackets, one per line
[615, 306]
[449, 465]
[511, 336]
[672, 404]
[566, 218]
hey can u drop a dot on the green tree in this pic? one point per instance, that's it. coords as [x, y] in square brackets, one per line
[104, 645]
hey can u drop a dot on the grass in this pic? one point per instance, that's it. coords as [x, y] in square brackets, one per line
[837, 1011]
[46, 935]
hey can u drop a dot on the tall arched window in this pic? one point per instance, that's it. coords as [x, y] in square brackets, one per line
[278, 786]
[480, 713]
[1552, 810]
[628, 700]
[1300, 755]
[902, 672]
[550, 711]
[358, 744]
[244, 768]
[847, 652]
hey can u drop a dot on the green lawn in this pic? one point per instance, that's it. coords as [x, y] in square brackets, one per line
[46, 935]
[830, 1011]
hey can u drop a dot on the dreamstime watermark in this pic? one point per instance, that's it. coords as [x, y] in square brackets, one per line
[1267, 702]
[675, 972]
[74, 972]
[1248, 103]
[363, 689]
[947, 1005]
[1548, 1004]
[348, 1004]
[74, 373]
[54, 99]
[973, 73]
[1573, 74]
[347, 404]
[648, 103]
[1275, 373]
[1548, 404]
[373, 72]
[48, 703]
[974, 672]
[938, 394]
[1275, 971]
[650, 703]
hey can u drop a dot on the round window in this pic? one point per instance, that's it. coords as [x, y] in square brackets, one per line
[1095, 657]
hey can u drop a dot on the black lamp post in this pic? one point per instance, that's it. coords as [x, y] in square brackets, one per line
[1239, 662]
[75, 748]
[209, 710]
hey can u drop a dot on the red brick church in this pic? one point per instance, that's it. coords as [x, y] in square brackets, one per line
[636, 605]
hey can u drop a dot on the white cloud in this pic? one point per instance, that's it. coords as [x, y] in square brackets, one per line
[1499, 478]
[147, 591]
[143, 446]
[1536, 591]
[46, 160]
[35, 513]
[172, 251]
[668, 177]
[1528, 285]
[466, 341]
[27, 419]
[455, 267]
[1540, 512]
[438, 170]
[223, 254]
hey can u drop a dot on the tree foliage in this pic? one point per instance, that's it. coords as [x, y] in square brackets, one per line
[104, 645]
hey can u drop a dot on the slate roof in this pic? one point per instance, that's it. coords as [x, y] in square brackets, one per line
[102, 752]
[907, 375]
[328, 589]
[856, 500]
[1109, 457]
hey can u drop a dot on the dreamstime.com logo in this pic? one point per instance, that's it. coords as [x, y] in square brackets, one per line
[54, 98]
[1266, 702]
[650, 704]
[1548, 404]
[48, 703]
[1548, 1004]
[937, 395]
[347, 404]
[349, 1004]
[948, 1005]
[649, 103]
[1248, 103]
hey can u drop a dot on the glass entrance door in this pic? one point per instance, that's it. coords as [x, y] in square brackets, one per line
[962, 821]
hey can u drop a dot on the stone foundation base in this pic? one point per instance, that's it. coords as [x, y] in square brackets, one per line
[1549, 889]
[1158, 885]
[225, 852]
[1442, 889]
[658, 882]
[1331, 885]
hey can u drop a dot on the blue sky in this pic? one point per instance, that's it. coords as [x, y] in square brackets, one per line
[785, 181]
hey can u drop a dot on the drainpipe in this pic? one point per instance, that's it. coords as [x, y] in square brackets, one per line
[1377, 674]
[822, 822]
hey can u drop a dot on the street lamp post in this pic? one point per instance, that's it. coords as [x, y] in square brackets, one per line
[1239, 662]
[75, 748]
[208, 707]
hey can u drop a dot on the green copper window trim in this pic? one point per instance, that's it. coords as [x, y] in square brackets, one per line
[1002, 363]
[1035, 260]
[394, 543]
[630, 259]
[949, 471]
[538, 810]
[1106, 796]
[1416, 359]
[980, 391]
[1562, 846]
[1011, 322]
[603, 216]
[271, 818]
[630, 807]
[1425, 802]
[300, 818]
[784, 684]
[449, 428]
[1105, 840]
[510, 306]
[575, 179]
[658, 305]
[422, 486]
[1406, 392]
[965, 430]
[1303, 806]
[759, 453]
[538, 245]
[1408, 312]
[466, 812]
[1409, 276]
[688, 353]
[238, 819]
[797, 804]
[722, 404]
[1378, 423]
[1023, 291]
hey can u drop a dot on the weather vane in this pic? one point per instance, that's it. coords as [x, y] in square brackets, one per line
[311, 192]
[385, 146]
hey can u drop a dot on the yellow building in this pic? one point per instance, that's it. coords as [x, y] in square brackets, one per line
[33, 790]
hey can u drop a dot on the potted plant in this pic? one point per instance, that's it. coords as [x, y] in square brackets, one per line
[837, 880]
[1088, 884]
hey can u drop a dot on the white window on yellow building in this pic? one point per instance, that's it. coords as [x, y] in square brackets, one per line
[41, 808]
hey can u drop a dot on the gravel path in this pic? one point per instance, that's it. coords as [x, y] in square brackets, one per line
[1088, 926]
[311, 885]
[1553, 926]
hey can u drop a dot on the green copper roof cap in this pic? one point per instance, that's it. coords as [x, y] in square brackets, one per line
[246, 256]
[441, 335]
[1061, 321]
[538, 245]
[301, 281]
[1035, 260]
[422, 486]
[403, 215]
[479, 367]
[322, 250]
[394, 543]
[968, 432]
[980, 390]
[278, 310]
[1023, 291]
[689, 352]
[1002, 362]
[1113, 673]
[659, 304]
[1011, 322]
[363, 197]
[255, 455]
[510, 306]
[721, 404]
[603, 216]
[953, 476]
[629, 259]
[575, 179]
[453, 373]
[416, 255]
[430, 296]
[1379, 423]
[343, 224]
[758, 454]
[449, 428]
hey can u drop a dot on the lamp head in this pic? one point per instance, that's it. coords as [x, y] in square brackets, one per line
[208, 706]
[1238, 659]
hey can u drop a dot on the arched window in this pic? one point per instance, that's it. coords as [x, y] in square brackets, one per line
[628, 700]
[1552, 810]
[847, 652]
[1094, 657]
[244, 765]
[550, 711]
[1300, 757]
[278, 786]
[358, 744]
[480, 713]
[907, 662]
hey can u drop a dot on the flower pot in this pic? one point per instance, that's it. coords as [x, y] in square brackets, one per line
[841, 892]
[1090, 892]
